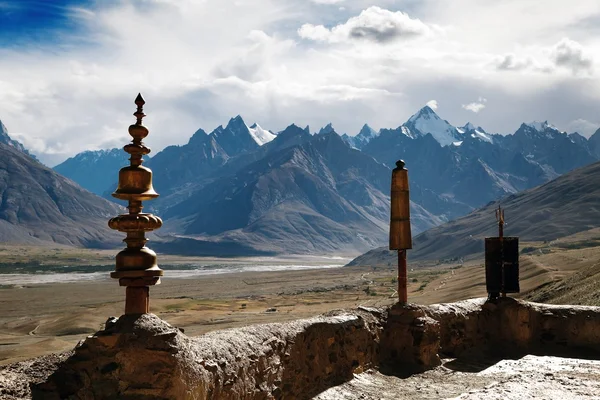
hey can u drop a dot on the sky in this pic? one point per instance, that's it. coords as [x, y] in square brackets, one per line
[70, 69]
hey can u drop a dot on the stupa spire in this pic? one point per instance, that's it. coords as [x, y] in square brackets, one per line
[136, 265]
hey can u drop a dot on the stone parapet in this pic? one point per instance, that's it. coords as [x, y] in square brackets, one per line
[143, 357]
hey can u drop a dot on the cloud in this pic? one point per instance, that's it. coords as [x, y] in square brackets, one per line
[198, 63]
[374, 24]
[583, 126]
[571, 55]
[433, 104]
[475, 106]
[511, 62]
[327, 1]
[566, 54]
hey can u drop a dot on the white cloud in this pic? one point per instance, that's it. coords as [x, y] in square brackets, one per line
[475, 106]
[433, 104]
[512, 62]
[200, 62]
[584, 127]
[374, 24]
[570, 54]
[566, 54]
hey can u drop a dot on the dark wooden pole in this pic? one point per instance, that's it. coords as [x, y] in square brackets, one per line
[137, 300]
[400, 232]
[402, 277]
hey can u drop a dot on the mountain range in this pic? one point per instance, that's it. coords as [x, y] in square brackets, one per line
[242, 188]
[94, 170]
[39, 206]
[562, 207]
[315, 196]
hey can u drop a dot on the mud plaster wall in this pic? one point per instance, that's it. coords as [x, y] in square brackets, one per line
[145, 357]
[515, 328]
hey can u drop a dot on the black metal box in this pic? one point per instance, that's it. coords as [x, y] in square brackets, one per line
[502, 265]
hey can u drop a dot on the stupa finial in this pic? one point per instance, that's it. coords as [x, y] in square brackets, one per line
[136, 265]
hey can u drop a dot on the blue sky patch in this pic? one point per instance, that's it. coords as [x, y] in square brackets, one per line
[39, 22]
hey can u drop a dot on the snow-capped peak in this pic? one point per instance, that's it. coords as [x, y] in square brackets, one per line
[475, 132]
[427, 121]
[481, 134]
[468, 127]
[424, 113]
[260, 135]
[541, 126]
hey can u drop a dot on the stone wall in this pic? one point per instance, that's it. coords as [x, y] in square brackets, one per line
[143, 357]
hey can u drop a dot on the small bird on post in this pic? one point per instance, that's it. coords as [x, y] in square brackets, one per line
[400, 234]
[136, 266]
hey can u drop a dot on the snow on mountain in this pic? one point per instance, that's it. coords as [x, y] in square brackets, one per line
[541, 126]
[475, 132]
[235, 138]
[427, 121]
[260, 135]
[537, 129]
[468, 127]
[407, 132]
[480, 134]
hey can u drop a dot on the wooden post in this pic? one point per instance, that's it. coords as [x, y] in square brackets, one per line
[137, 300]
[400, 232]
[402, 277]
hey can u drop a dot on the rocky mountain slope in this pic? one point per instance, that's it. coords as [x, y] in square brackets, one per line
[40, 206]
[316, 196]
[7, 140]
[211, 194]
[579, 288]
[468, 167]
[359, 141]
[562, 207]
[94, 170]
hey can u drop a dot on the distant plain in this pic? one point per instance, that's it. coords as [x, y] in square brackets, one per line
[37, 319]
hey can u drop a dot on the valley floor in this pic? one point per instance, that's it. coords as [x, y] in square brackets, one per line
[37, 319]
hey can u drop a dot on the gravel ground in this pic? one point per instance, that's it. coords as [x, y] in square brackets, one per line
[15, 378]
[530, 377]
